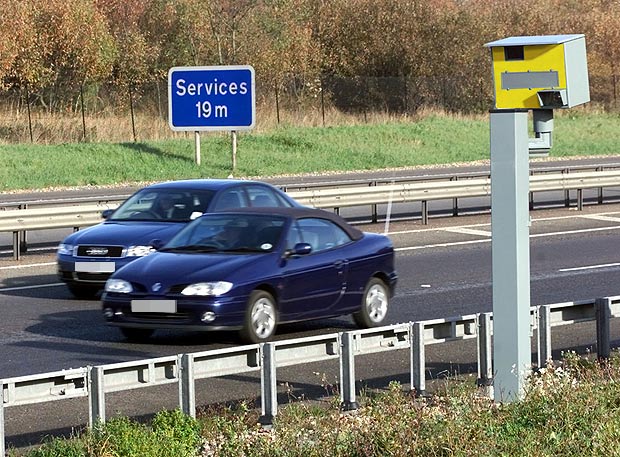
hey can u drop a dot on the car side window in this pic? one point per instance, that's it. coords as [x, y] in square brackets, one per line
[263, 196]
[322, 234]
[230, 198]
[294, 237]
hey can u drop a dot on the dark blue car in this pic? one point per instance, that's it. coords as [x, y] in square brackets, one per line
[250, 270]
[87, 258]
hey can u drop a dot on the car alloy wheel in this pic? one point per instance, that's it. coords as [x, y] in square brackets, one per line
[375, 304]
[261, 317]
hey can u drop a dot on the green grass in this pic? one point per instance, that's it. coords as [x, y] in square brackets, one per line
[570, 409]
[433, 140]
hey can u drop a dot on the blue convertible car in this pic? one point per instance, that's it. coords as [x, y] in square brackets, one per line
[252, 269]
[86, 259]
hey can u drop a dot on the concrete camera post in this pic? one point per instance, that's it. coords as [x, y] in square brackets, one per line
[538, 73]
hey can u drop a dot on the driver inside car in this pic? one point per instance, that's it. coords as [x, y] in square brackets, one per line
[164, 207]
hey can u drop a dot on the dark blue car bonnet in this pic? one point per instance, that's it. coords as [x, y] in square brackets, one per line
[190, 268]
[125, 233]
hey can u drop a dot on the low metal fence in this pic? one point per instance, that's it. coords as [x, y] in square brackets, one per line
[326, 196]
[95, 382]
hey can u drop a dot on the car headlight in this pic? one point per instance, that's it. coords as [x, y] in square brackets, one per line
[119, 286]
[65, 249]
[208, 288]
[139, 251]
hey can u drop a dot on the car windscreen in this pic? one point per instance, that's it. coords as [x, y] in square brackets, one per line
[164, 205]
[224, 232]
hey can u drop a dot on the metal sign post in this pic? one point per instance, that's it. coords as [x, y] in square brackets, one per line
[510, 251]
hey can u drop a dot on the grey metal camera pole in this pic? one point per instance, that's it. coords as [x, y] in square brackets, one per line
[510, 252]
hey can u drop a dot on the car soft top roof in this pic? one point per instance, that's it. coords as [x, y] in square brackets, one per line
[300, 213]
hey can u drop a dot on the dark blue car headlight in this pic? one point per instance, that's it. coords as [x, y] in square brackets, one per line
[65, 249]
[120, 286]
[139, 251]
[211, 289]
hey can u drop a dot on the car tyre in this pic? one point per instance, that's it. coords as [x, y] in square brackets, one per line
[81, 291]
[261, 318]
[137, 334]
[375, 304]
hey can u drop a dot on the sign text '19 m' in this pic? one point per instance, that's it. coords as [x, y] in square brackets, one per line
[211, 98]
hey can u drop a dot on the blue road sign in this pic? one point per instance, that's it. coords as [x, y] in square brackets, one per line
[211, 98]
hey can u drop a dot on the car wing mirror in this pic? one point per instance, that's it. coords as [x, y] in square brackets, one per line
[106, 213]
[300, 249]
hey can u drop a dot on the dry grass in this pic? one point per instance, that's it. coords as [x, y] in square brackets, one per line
[119, 128]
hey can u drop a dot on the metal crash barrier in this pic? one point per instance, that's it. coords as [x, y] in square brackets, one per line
[185, 369]
[326, 196]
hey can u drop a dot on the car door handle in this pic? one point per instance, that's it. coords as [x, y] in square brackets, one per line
[339, 264]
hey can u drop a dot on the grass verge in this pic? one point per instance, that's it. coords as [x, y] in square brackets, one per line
[432, 140]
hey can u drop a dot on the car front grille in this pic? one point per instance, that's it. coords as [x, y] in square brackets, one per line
[164, 317]
[91, 251]
[96, 277]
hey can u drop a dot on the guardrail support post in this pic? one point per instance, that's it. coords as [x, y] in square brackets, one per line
[567, 191]
[544, 335]
[485, 353]
[425, 212]
[2, 443]
[603, 315]
[374, 216]
[187, 385]
[580, 199]
[16, 247]
[418, 358]
[96, 396]
[347, 373]
[269, 394]
[455, 200]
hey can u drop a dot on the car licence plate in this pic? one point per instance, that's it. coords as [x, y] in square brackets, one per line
[153, 306]
[95, 267]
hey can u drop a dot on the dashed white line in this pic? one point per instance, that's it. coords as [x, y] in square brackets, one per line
[30, 265]
[591, 267]
[468, 231]
[38, 286]
[601, 217]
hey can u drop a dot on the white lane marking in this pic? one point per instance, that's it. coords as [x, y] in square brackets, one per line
[44, 249]
[441, 245]
[401, 232]
[602, 217]
[38, 286]
[590, 267]
[468, 231]
[570, 232]
[487, 240]
[16, 267]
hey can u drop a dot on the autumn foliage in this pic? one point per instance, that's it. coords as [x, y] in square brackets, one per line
[398, 54]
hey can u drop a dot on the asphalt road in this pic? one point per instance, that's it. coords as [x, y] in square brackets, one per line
[444, 269]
